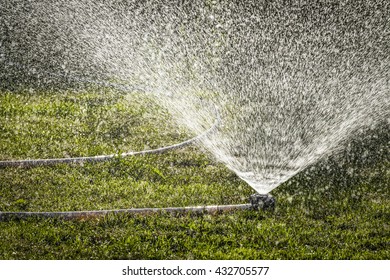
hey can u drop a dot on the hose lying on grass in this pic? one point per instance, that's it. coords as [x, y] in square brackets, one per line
[97, 213]
[52, 161]
[86, 214]
[257, 202]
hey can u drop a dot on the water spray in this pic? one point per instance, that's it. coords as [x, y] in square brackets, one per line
[289, 103]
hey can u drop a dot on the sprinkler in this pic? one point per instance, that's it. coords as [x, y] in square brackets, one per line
[262, 201]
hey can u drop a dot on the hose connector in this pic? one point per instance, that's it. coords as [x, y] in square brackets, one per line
[262, 202]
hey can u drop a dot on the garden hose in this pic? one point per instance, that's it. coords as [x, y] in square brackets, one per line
[97, 213]
[52, 161]
[257, 202]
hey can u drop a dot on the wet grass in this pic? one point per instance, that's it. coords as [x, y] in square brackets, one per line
[330, 211]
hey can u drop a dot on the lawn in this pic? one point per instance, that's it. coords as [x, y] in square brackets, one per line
[336, 209]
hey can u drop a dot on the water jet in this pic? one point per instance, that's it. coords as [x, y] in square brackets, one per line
[292, 82]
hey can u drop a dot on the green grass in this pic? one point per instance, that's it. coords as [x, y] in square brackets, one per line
[323, 213]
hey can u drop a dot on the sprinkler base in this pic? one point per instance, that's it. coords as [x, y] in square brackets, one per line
[262, 201]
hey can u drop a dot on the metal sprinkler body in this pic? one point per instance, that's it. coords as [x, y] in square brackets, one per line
[262, 201]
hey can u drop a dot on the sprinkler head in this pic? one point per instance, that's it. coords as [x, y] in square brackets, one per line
[262, 201]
